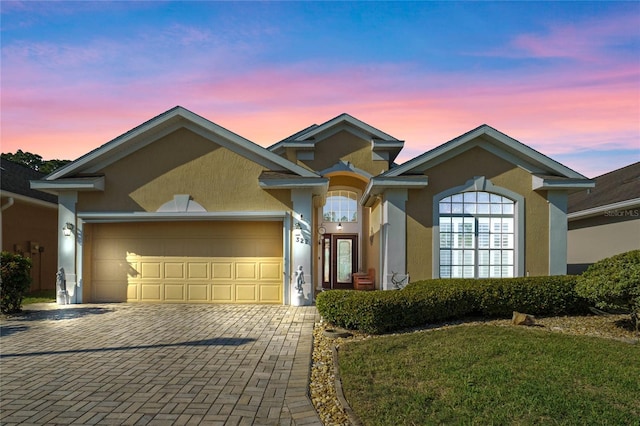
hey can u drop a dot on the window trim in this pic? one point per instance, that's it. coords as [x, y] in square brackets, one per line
[480, 183]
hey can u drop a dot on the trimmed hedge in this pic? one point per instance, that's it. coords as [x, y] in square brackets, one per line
[614, 284]
[433, 301]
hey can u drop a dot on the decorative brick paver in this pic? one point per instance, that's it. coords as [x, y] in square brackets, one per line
[152, 364]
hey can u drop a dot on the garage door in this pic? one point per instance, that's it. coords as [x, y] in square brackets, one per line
[186, 262]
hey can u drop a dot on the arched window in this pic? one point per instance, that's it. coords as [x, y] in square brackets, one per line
[341, 206]
[477, 235]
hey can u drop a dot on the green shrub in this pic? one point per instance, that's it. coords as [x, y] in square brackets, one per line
[14, 281]
[433, 301]
[614, 283]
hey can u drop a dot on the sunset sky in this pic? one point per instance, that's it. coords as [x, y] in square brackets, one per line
[561, 77]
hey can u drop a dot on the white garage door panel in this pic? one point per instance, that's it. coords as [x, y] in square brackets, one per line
[140, 262]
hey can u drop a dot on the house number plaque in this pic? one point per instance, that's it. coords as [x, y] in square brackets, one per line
[300, 239]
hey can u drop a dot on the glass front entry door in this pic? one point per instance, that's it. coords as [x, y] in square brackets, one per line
[339, 260]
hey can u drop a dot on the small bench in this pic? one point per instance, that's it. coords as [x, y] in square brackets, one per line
[362, 281]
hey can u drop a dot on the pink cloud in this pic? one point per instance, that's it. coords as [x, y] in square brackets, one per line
[583, 41]
[557, 112]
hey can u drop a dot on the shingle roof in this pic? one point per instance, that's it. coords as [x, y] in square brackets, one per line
[613, 187]
[15, 178]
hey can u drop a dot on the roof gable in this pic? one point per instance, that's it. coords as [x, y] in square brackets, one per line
[164, 124]
[355, 125]
[306, 139]
[493, 141]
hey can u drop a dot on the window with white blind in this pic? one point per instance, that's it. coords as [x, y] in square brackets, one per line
[477, 235]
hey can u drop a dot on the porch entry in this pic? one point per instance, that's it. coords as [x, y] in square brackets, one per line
[339, 260]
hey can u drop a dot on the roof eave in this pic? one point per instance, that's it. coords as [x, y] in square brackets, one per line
[28, 200]
[596, 211]
[95, 183]
[563, 184]
[318, 186]
[378, 185]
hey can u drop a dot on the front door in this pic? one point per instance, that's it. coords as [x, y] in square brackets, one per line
[339, 260]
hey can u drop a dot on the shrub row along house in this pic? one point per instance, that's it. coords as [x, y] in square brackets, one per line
[180, 209]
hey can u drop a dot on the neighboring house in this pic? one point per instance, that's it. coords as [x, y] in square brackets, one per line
[605, 220]
[29, 222]
[180, 209]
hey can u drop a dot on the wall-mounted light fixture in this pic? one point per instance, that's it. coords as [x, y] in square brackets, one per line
[67, 229]
[339, 226]
[297, 225]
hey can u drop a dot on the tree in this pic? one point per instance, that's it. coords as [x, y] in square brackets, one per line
[50, 166]
[34, 161]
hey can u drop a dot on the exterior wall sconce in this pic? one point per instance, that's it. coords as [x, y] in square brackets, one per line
[67, 229]
[297, 225]
[339, 226]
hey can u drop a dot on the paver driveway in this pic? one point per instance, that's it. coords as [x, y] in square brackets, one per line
[157, 364]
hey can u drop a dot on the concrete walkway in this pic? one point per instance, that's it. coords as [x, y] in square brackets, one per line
[148, 364]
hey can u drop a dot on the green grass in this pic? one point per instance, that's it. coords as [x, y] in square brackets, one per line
[492, 375]
[40, 296]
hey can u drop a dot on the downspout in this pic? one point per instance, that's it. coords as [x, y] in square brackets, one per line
[8, 204]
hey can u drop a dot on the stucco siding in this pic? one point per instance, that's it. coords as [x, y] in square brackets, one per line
[456, 172]
[32, 230]
[344, 181]
[596, 238]
[347, 147]
[183, 163]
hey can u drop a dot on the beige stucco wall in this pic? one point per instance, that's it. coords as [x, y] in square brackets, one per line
[25, 224]
[347, 147]
[183, 163]
[457, 171]
[599, 237]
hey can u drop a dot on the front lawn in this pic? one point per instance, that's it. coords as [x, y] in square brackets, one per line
[491, 375]
[39, 296]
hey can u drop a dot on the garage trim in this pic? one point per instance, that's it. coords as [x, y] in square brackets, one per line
[112, 217]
